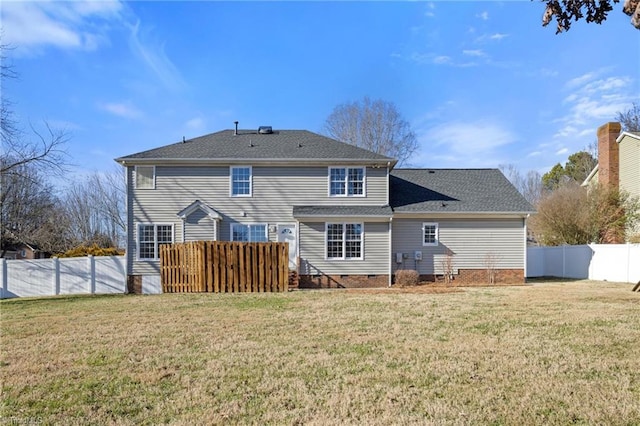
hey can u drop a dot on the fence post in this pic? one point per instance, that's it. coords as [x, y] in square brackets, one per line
[5, 278]
[92, 274]
[56, 276]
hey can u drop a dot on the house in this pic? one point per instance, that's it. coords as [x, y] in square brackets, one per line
[618, 160]
[350, 217]
[24, 251]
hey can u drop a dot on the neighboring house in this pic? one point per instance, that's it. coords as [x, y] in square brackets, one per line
[350, 219]
[618, 160]
[24, 251]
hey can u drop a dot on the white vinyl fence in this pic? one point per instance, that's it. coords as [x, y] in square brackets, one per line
[604, 262]
[78, 275]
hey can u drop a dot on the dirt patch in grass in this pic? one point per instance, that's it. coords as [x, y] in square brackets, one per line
[547, 353]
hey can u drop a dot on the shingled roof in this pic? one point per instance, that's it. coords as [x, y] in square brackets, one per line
[225, 145]
[339, 211]
[454, 191]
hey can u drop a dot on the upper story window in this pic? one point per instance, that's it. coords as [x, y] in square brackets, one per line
[346, 181]
[255, 233]
[150, 237]
[429, 234]
[145, 177]
[240, 182]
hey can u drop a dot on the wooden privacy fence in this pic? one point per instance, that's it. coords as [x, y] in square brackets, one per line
[221, 266]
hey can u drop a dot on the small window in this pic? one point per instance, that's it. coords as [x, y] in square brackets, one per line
[241, 181]
[344, 240]
[346, 181]
[255, 233]
[145, 177]
[150, 237]
[429, 234]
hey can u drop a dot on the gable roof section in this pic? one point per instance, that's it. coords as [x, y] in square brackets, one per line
[249, 146]
[454, 191]
[199, 205]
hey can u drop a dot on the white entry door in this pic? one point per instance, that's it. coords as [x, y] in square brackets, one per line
[287, 234]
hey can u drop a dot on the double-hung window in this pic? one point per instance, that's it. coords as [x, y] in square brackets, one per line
[240, 182]
[145, 177]
[344, 240]
[346, 181]
[255, 233]
[429, 234]
[150, 237]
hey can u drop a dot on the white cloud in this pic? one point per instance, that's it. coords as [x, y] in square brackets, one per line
[562, 151]
[196, 123]
[154, 56]
[484, 15]
[476, 53]
[442, 60]
[464, 144]
[592, 100]
[121, 109]
[498, 36]
[30, 26]
[429, 13]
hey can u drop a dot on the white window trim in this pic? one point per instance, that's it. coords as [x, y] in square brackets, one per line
[424, 225]
[135, 178]
[346, 189]
[156, 248]
[266, 229]
[231, 194]
[344, 241]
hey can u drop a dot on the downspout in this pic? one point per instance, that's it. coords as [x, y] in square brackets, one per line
[525, 246]
[390, 250]
[390, 227]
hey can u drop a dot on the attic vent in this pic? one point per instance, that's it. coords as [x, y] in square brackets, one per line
[265, 130]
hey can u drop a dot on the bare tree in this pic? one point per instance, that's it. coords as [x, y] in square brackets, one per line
[30, 213]
[529, 185]
[630, 119]
[576, 215]
[95, 208]
[566, 11]
[45, 149]
[375, 125]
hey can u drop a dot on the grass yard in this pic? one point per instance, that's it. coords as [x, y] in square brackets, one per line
[549, 353]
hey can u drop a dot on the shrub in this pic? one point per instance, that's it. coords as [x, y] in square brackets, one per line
[92, 250]
[407, 277]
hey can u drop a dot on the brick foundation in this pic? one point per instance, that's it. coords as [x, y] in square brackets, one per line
[134, 284]
[343, 281]
[480, 277]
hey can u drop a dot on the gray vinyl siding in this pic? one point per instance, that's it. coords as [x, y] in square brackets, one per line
[199, 227]
[469, 240]
[275, 190]
[630, 165]
[313, 251]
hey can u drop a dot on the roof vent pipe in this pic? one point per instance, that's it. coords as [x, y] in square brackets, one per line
[236, 132]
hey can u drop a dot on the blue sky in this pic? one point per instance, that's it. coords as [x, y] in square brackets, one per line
[481, 83]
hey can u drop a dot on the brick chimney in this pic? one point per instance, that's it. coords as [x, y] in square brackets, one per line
[608, 154]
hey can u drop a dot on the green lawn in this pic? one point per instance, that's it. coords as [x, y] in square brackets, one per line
[550, 353]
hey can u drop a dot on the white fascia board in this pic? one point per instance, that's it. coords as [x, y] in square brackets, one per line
[460, 215]
[623, 134]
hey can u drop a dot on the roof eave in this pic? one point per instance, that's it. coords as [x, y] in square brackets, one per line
[458, 213]
[128, 161]
[623, 134]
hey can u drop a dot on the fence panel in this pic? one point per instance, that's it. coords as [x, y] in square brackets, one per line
[603, 262]
[48, 277]
[221, 266]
